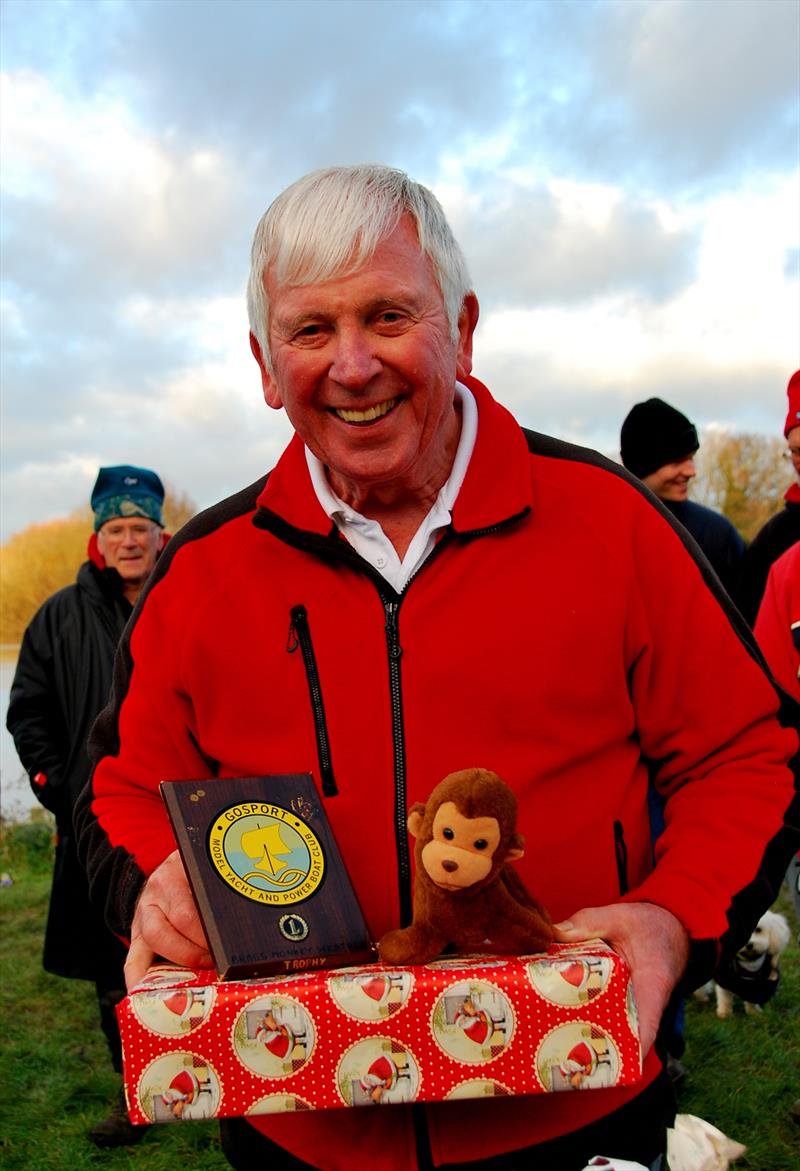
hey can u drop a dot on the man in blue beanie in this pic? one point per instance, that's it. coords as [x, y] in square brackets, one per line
[62, 681]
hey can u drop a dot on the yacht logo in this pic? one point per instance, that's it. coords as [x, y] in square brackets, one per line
[266, 853]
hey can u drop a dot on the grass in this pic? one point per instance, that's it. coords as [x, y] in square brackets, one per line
[57, 1075]
[743, 1072]
[58, 1081]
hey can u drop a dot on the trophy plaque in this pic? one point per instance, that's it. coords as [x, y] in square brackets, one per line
[272, 890]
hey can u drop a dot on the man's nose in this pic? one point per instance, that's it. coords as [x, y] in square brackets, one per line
[128, 539]
[354, 361]
[687, 468]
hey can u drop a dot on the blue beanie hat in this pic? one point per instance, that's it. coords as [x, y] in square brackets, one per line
[124, 491]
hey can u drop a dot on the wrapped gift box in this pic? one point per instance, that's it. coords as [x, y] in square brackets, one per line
[197, 1047]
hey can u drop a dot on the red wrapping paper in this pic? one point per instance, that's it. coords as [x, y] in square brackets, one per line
[197, 1047]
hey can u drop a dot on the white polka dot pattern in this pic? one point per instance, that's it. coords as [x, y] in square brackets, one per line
[474, 1027]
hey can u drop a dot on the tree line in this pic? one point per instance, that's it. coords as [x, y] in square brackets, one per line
[42, 558]
[743, 476]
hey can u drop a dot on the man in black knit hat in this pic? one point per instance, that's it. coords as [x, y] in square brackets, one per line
[658, 445]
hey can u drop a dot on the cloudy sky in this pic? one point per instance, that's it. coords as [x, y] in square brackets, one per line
[622, 174]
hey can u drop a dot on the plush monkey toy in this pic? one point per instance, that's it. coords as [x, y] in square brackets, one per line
[464, 893]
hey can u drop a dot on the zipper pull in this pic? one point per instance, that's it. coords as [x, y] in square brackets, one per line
[393, 643]
[298, 617]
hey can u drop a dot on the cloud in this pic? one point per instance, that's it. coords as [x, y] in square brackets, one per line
[568, 242]
[709, 84]
[622, 176]
[104, 198]
[675, 96]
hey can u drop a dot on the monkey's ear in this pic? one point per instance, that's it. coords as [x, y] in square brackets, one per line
[415, 818]
[516, 848]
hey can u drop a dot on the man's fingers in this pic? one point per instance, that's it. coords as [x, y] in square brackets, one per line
[651, 941]
[166, 923]
[175, 924]
[140, 957]
[153, 935]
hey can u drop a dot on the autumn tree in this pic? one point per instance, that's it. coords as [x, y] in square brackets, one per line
[42, 558]
[743, 476]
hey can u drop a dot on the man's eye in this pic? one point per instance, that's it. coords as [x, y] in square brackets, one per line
[390, 317]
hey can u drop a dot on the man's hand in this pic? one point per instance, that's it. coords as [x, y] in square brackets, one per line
[166, 923]
[651, 941]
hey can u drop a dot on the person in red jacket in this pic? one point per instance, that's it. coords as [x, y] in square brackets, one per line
[782, 530]
[420, 585]
[777, 627]
[777, 630]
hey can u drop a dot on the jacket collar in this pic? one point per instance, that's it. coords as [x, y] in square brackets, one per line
[496, 488]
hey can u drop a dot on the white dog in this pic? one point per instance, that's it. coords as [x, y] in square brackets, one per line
[755, 970]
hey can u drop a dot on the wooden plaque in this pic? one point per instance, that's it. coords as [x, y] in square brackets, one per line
[270, 884]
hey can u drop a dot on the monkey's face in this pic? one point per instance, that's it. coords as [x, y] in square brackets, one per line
[461, 850]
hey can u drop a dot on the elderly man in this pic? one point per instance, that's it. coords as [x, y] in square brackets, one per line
[62, 681]
[658, 445]
[452, 588]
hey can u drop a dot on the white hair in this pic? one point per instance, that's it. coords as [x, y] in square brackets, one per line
[329, 224]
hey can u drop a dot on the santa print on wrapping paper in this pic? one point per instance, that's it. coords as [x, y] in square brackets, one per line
[377, 1071]
[280, 1104]
[473, 1022]
[173, 1012]
[274, 1036]
[577, 1056]
[478, 1088]
[179, 1087]
[571, 981]
[370, 996]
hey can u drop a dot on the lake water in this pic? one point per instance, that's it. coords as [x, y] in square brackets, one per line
[16, 795]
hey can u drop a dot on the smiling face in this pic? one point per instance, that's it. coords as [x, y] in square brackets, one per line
[365, 367]
[671, 481]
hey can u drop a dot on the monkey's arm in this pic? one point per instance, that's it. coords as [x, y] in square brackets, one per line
[418, 944]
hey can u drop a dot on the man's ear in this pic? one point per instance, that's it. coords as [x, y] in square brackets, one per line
[467, 321]
[269, 387]
[415, 818]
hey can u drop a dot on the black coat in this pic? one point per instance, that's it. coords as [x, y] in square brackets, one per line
[62, 681]
[720, 541]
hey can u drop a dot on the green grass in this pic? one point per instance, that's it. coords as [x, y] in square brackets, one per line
[57, 1077]
[744, 1073]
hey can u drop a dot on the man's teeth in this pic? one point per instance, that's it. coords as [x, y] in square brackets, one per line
[367, 416]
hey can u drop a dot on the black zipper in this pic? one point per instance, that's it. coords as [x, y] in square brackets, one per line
[621, 854]
[300, 636]
[395, 651]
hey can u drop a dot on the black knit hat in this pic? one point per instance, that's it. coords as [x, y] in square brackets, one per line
[654, 434]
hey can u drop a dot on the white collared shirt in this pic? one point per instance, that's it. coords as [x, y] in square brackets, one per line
[368, 538]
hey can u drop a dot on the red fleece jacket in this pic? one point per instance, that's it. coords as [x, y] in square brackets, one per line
[562, 634]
